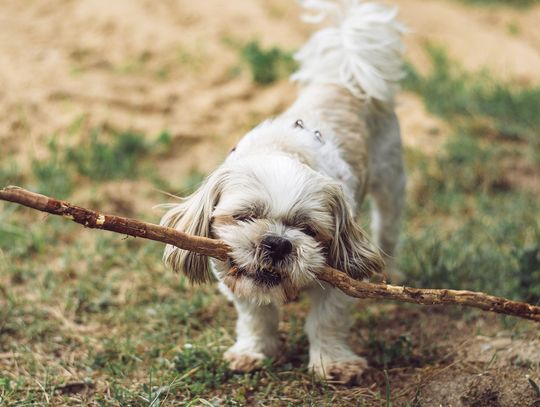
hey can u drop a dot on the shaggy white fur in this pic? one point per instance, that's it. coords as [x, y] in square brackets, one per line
[285, 199]
[361, 52]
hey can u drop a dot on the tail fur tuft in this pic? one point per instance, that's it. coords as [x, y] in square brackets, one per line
[362, 51]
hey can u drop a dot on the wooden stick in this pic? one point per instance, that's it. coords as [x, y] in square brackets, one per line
[219, 250]
[428, 296]
[132, 227]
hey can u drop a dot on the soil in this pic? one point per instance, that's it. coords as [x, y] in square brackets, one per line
[170, 65]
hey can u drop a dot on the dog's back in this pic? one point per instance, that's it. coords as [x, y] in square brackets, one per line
[350, 73]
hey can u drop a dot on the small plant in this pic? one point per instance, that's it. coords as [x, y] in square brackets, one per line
[509, 3]
[10, 174]
[468, 166]
[451, 93]
[52, 174]
[202, 369]
[391, 353]
[479, 254]
[528, 273]
[100, 160]
[269, 65]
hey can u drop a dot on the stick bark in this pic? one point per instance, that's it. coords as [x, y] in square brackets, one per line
[219, 250]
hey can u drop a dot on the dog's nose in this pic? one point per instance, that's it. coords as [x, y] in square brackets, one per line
[277, 247]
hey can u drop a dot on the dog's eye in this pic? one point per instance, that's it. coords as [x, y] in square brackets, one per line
[309, 231]
[243, 217]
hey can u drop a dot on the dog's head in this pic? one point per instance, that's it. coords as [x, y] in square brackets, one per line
[282, 220]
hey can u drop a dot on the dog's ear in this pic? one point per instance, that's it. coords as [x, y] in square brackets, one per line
[193, 216]
[349, 249]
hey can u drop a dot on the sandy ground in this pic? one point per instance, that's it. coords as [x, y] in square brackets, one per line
[149, 66]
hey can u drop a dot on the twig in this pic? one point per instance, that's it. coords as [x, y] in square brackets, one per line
[428, 296]
[219, 250]
[127, 226]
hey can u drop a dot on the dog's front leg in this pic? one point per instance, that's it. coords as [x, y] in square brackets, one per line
[256, 335]
[327, 327]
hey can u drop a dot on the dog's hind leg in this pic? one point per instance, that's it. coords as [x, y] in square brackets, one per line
[387, 188]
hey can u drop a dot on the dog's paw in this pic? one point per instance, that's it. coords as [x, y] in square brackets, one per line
[347, 372]
[244, 361]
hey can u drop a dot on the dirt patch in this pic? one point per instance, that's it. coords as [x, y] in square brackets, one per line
[498, 388]
[505, 41]
[143, 66]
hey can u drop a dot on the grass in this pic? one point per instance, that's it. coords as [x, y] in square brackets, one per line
[163, 340]
[102, 160]
[10, 173]
[477, 99]
[52, 174]
[471, 180]
[499, 257]
[102, 156]
[91, 318]
[267, 65]
[508, 3]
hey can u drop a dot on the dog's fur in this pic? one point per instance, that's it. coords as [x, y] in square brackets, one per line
[285, 197]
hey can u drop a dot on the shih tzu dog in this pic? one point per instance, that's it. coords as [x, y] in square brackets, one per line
[286, 197]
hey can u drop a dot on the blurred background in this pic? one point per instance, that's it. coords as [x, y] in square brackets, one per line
[112, 104]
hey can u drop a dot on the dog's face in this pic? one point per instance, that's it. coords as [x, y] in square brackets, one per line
[283, 222]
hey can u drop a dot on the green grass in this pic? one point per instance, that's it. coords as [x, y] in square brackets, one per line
[119, 158]
[91, 318]
[267, 65]
[154, 337]
[508, 3]
[497, 251]
[101, 156]
[509, 111]
[53, 176]
[479, 230]
[10, 173]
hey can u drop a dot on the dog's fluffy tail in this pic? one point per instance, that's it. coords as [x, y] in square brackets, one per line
[362, 51]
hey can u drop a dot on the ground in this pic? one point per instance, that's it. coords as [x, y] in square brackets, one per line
[113, 105]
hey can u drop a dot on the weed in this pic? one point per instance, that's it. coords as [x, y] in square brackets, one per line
[269, 65]
[469, 166]
[527, 273]
[534, 386]
[451, 93]
[10, 173]
[390, 354]
[103, 161]
[388, 401]
[482, 234]
[508, 3]
[513, 28]
[479, 254]
[201, 368]
[52, 174]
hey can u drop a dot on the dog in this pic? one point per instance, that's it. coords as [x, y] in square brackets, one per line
[287, 197]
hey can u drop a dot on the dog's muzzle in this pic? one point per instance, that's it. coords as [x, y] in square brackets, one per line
[276, 247]
[268, 278]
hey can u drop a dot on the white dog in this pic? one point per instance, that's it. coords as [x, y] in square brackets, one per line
[284, 199]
